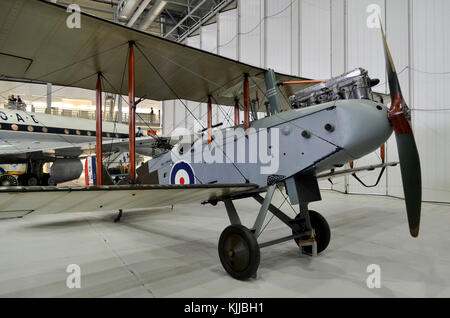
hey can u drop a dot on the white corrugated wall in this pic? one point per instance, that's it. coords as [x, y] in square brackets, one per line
[324, 38]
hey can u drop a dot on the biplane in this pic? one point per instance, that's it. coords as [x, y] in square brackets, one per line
[307, 139]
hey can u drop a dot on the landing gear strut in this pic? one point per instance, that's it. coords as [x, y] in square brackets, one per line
[28, 179]
[239, 250]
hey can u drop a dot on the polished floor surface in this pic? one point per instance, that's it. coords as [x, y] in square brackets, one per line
[173, 253]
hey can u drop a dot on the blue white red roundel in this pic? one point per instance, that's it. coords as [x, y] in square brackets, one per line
[182, 173]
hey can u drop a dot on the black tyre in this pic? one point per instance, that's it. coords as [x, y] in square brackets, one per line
[28, 180]
[7, 180]
[239, 252]
[51, 182]
[322, 232]
[32, 180]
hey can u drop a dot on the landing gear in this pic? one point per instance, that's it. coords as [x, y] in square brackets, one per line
[30, 180]
[320, 233]
[239, 252]
[34, 175]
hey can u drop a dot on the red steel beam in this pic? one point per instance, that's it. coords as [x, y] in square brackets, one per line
[209, 119]
[246, 102]
[132, 113]
[99, 130]
[236, 112]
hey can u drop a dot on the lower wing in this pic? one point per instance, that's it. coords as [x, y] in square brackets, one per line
[21, 201]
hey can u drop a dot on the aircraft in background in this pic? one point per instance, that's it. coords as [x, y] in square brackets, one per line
[35, 139]
[309, 138]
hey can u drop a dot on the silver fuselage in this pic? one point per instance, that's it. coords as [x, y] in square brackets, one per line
[358, 127]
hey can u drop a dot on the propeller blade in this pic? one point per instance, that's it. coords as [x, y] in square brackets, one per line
[407, 149]
[411, 179]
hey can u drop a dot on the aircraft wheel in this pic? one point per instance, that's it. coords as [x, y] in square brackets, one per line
[28, 180]
[321, 230]
[32, 180]
[7, 180]
[239, 252]
[51, 182]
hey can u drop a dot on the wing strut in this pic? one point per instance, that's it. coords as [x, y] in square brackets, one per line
[236, 112]
[246, 102]
[132, 112]
[99, 130]
[209, 119]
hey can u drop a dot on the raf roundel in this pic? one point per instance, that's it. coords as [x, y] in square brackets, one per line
[182, 173]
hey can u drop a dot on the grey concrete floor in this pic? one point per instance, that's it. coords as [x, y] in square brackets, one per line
[165, 253]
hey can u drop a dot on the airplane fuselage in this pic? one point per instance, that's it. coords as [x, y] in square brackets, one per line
[22, 132]
[312, 139]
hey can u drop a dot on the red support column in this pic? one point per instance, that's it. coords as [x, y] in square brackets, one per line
[132, 113]
[236, 112]
[383, 153]
[99, 130]
[209, 119]
[246, 102]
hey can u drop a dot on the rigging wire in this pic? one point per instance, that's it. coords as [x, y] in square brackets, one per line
[155, 137]
[273, 215]
[226, 116]
[123, 98]
[169, 86]
[164, 80]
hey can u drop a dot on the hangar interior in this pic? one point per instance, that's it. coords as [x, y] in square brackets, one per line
[172, 252]
[323, 39]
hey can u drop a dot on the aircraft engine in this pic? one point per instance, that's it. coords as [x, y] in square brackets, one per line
[64, 170]
[352, 85]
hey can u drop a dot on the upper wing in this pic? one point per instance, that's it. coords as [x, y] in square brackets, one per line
[36, 44]
[20, 201]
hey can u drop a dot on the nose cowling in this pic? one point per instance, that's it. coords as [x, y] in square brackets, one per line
[365, 126]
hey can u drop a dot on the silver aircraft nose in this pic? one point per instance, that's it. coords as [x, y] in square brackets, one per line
[365, 126]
